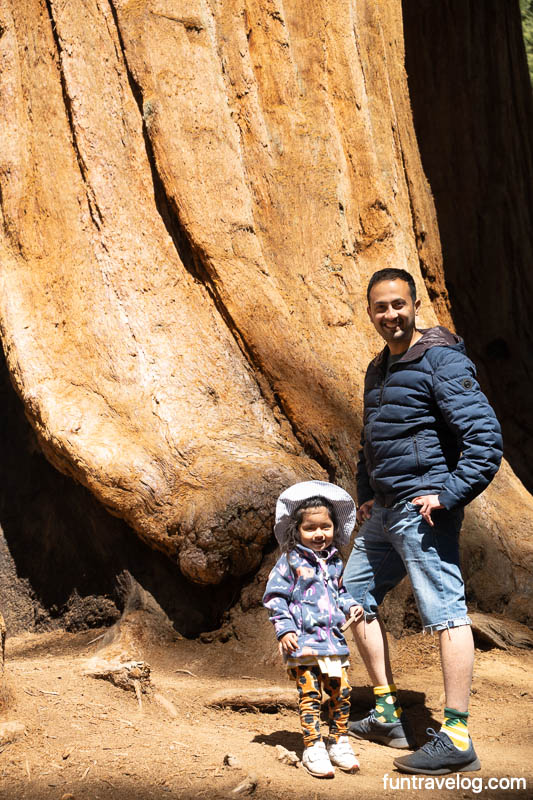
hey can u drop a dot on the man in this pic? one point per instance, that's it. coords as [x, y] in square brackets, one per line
[430, 444]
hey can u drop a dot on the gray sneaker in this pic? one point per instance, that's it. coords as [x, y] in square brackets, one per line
[392, 734]
[439, 757]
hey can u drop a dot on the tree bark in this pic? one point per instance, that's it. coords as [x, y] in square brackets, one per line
[194, 196]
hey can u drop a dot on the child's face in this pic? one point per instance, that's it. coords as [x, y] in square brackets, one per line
[316, 528]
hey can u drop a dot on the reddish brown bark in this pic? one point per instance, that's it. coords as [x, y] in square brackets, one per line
[194, 196]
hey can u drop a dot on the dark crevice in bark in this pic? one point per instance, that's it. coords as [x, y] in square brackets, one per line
[473, 116]
[94, 210]
[64, 559]
[196, 263]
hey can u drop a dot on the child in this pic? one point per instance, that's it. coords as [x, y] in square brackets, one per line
[308, 605]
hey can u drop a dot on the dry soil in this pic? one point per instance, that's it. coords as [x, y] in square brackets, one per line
[89, 740]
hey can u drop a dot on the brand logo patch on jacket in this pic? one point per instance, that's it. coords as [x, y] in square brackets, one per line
[305, 572]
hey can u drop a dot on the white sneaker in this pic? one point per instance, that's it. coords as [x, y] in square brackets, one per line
[316, 761]
[342, 755]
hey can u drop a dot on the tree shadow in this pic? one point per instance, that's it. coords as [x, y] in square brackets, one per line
[418, 715]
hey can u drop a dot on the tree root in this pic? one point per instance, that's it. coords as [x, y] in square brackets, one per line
[254, 699]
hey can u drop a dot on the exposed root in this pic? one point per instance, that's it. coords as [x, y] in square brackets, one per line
[133, 676]
[254, 699]
[500, 632]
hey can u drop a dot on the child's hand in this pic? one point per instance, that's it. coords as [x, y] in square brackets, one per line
[289, 643]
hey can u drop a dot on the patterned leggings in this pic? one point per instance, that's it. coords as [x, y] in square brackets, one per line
[309, 682]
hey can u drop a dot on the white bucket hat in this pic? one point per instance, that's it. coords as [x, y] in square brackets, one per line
[291, 498]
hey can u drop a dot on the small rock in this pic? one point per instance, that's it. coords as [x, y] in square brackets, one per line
[247, 786]
[287, 756]
[11, 732]
[232, 761]
[67, 796]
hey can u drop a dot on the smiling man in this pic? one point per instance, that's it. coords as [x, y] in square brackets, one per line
[430, 444]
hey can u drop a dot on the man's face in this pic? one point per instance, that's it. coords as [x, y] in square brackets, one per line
[393, 313]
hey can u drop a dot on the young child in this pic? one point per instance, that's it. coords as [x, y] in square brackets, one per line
[308, 605]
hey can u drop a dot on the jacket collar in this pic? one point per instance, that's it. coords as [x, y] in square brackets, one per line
[311, 554]
[439, 336]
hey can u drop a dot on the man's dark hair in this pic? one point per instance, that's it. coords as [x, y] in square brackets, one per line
[292, 536]
[392, 274]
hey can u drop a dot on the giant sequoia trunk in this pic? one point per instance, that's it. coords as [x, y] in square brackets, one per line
[473, 113]
[194, 195]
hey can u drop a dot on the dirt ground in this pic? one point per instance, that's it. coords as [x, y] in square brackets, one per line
[87, 739]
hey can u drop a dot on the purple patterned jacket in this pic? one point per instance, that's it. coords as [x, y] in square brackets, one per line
[306, 595]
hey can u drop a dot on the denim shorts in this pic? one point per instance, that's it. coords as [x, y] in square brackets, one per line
[397, 541]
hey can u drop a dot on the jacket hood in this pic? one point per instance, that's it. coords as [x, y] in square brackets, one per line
[439, 336]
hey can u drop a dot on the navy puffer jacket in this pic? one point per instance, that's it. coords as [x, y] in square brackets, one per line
[428, 427]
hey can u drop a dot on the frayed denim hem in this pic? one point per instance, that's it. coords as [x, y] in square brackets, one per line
[450, 623]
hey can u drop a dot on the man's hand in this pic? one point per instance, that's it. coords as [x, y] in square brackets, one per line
[428, 503]
[364, 511]
[289, 643]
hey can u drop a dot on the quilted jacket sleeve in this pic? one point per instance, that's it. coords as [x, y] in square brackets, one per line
[277, 597]
[468, 414]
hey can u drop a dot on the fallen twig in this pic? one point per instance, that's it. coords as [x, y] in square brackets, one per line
[97, 638]
[186, 672]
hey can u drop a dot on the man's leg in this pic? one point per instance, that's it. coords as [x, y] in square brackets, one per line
[371, 640]
[431, 557]
[457, 659]
[373, 568]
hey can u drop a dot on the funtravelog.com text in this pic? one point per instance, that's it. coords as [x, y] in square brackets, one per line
[451, 782]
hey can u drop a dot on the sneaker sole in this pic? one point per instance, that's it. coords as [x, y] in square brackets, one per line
[318, 774]
[471, 767]
[349, 770]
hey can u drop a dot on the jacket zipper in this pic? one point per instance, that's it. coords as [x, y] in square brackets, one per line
[417, 457]
[325, 575]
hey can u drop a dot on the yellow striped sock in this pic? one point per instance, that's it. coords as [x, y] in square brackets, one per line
[456, 726]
